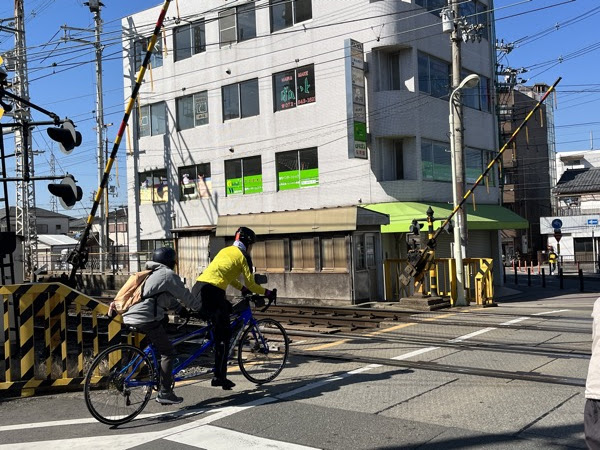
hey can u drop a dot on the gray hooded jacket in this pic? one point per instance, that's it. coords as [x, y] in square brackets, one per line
[163, 289]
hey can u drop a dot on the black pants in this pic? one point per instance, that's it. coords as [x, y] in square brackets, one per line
[157, 334]
[591, 423]
[217, 309]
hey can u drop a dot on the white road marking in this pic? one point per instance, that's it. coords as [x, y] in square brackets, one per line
[415, 353]
[550, 312]
[470, 335]
[517, 320]
[214, 438]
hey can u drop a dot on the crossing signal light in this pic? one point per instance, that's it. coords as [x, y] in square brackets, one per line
[415, 227]
[66, 136]
[67, 191]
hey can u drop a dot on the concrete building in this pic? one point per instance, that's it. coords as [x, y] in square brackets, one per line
[528, 166]
[311, 121]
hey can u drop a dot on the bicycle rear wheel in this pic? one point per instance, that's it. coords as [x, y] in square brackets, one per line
[119, 383]
[263, 351]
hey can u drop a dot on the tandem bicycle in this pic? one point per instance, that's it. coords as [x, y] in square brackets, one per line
[120, 381]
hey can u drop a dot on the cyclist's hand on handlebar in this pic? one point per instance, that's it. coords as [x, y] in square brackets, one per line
[271, 295]
[246, 291]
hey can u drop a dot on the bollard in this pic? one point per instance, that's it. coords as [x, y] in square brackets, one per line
[560, 277]
[504, 273]
[528, 276]
[543, 277]
[516, 277]
[580, 280]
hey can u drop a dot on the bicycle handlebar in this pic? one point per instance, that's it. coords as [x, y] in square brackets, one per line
[255, 298]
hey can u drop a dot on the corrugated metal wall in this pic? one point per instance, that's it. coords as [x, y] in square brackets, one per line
[193, 257]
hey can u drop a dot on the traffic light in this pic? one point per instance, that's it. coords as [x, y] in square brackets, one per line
[66, 136]
[415, 227]
[67, 191]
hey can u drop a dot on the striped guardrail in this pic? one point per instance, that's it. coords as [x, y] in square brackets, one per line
[44, 346]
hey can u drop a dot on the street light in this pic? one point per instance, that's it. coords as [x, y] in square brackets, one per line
[469, 82]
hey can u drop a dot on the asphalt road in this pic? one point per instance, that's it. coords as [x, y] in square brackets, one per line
[510, 376]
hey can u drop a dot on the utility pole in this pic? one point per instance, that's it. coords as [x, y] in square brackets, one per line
[94, 6]
[25, 189]
[455, 39]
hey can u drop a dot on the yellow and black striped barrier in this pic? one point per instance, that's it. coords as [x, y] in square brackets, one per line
[44, 346]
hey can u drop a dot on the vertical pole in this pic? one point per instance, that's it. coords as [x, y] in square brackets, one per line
[516, 276]
[457, 131]
[25, 190]
[100, 140]
[560, 276]
[528, 276]
[543, 277]
[580, 280]
[432, 271]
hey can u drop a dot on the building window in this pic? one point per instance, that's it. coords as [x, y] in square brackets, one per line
[334, 254]
[243, 176]
[153, 119]
[434, 6]
[287, 13]
[139, 50]
[302, 255]
[237, 24]
[476, 161]
[147, 247]
[435, 160]
[195, 182]
[189, 39]
[58, 227]
[240, 100]
[475, 13]
[294, 87]
[271, 255]
[434, 76]
[192, 110]
[477, 97]
[42, 228]
[153, 187]
[297, 169]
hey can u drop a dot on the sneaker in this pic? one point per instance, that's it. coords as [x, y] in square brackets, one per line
[225, 383]
[168, 398]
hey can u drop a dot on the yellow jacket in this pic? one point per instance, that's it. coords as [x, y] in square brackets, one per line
[226, 268]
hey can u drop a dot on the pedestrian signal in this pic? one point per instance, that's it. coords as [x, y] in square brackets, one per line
[66, 136]
[67, 191]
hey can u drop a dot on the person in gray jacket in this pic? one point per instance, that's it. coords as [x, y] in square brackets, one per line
[163, 290]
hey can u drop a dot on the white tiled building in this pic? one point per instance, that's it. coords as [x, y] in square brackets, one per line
[250, 108]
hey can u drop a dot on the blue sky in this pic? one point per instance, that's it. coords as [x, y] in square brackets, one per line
[552, 38]
[558, 38]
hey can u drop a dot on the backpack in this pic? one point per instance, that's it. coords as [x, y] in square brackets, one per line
[131, 292]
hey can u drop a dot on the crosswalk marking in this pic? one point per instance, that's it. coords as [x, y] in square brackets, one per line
[214, 438]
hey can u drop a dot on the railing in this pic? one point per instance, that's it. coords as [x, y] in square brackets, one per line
[45, 347]
[478, 282]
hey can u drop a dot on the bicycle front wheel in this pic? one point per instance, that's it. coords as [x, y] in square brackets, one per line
[263, 351]
[119, 383]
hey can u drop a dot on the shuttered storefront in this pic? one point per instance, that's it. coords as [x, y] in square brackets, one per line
[480, 244]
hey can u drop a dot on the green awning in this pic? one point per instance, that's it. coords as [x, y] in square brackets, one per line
[484, 217]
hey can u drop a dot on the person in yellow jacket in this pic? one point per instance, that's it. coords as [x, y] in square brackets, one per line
[224, 270]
